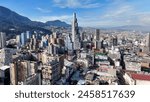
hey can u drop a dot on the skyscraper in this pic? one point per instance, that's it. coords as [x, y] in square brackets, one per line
[148, 42]
[97, 34]
[2, 40]
[115, 40]
[75, 33]
[18, 39]
[5, 56]
[68, 42]
[28, 34]
[23, 39]
[97, 39]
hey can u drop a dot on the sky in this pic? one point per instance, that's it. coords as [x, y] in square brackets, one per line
[90, 13]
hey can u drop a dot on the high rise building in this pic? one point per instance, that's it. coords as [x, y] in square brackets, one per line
[98, 44]
[5, 56]
[97, 34]
[18, 39]
[50, 49]
[148, 42]
[20, 71]
[44, 41]
[2, 39]
[23, 38]
[28, 34]
[33, 44]
[83, 36]
[55, 52]
[68, 42]
[97, 39]
[115, 41]
[51, 71]
[75, 33]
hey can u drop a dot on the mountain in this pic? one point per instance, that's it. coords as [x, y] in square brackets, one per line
[7, 15]
[9, 19]
[12, 20]
[57, 23]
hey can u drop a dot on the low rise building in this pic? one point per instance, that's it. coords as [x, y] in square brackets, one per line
[137, 78]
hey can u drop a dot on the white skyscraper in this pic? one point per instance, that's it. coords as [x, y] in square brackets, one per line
[68, 42]
[2, 40]
[75, 33]
[148, 41]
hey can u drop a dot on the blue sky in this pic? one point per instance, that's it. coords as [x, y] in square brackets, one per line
[90, 13]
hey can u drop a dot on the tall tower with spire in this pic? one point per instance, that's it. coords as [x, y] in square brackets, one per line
[75, 33]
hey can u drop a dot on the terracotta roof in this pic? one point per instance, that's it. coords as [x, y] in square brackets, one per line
[140, 76]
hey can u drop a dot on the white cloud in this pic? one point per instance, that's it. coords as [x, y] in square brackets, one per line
[76, 3]
[43, 10]
[143, 18]
[117, 20]
[118, 12]
[115, 14]
[126, 15]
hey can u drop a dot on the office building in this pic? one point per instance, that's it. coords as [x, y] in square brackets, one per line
[75, 33]
[148, 42]
[97, 34]
[18, 40]
[21, 71]
[115, 41]
[23, 39]
[6, 56]
[2, 40]
[68, 42]
[51, 72]
[33, 44]
[28, 34]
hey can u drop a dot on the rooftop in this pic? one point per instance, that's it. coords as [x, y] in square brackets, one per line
[4, 67]
[140, 76]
